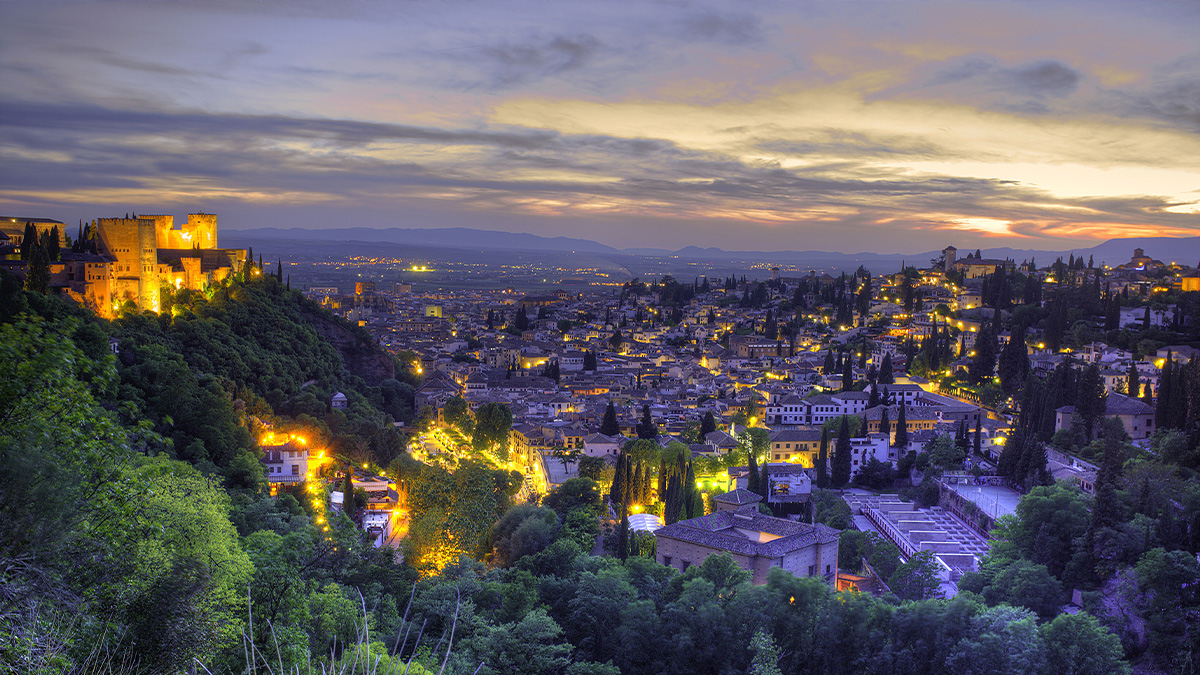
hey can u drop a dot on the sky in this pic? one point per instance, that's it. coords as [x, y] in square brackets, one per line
[889, 127]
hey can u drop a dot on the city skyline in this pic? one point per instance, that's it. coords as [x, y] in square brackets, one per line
[835, 126]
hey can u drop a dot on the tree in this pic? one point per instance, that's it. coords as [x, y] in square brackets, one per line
[766, 655]
[707, 425]
[29, 241]
[609, 426]
[37, 276]
[984, 362]
[523, 530]
[902, 428]
[753, 477]
[1048, 521]
[1017, 582]
[887, 371]
[616, 340]
[1169, 600]
[1014, 362]
[916, 579]
[823, 460]
[1091, 399]
[1133, 383]
[875, 474]
[51, 244]
[1000, 640]
[945, 453]
[840, 473]
[530, 646]
[1078, 644]
[592, 467]
[622, 477]
[457, 414]
[589, 360]
[493, 422]
[646, 427]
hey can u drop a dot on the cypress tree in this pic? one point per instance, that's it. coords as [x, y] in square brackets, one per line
[672, 504]
[635, 485]
[279, 270]
[646, 428]
[37, 276]
[51, 244]
[979, 436]
[1090, 399]
[765, 481]
[617, 492]
[647, 489]
[690, 492]
[348, 490]
[623, 536]
[984, 362]
[1181, 378]
[885, 423]
[840, 475]
[873, 399]
[29, 240]
[1014, 362]
[707, 425]
[1134, 385]
[902, 428]
[752, 476]
[1162, 406]
[886, 372]
[610, 427]
[847, 374]
[823, 461]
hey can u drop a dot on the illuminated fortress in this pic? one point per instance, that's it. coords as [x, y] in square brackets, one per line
[135, 257]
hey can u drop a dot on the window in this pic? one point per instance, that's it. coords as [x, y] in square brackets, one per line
[296, 472]
[827, 569]
[667, 560]
[684, 564]
[812, 569]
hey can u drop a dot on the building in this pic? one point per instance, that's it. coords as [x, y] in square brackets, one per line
[756, 542]
[1136, 415]
[130, 259]
[285, 463]
[800, 446]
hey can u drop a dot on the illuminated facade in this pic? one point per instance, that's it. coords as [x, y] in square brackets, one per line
[137, 256]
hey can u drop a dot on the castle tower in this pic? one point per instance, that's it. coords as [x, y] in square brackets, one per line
[132, 242]
[951, 256]
[148, 263]
[162, 230]
[202, 228]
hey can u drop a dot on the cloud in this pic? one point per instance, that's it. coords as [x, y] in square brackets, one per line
[1043, 78]
[510, 64]
[732, 29]
[982, 78]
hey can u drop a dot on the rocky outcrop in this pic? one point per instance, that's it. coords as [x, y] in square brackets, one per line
[360, 354]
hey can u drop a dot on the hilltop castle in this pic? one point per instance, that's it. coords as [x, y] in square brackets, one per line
[132, 258]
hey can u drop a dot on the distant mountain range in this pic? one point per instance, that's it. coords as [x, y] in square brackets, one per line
[1114, 251]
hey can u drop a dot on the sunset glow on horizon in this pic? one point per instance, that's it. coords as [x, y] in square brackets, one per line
[837, 126]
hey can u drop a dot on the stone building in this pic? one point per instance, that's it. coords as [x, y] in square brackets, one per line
[756, 542]
[135, 257]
